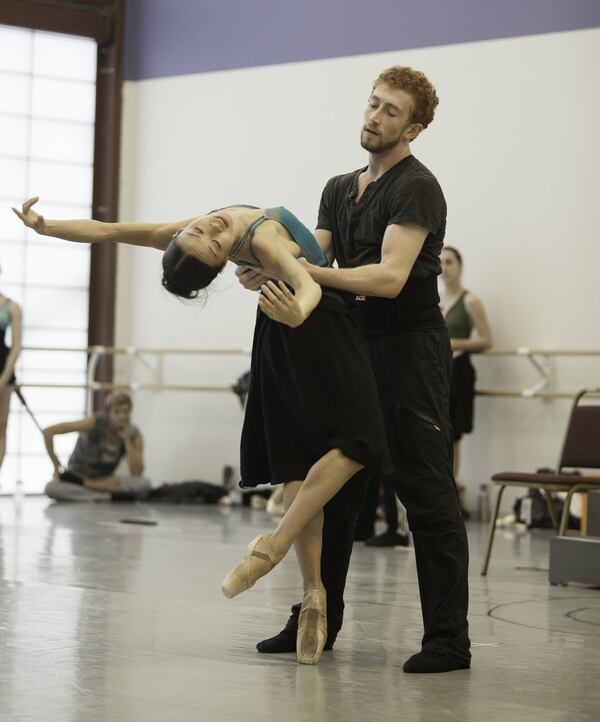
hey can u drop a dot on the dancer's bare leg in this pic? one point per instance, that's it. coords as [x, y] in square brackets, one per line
[325, 478]
[312, 623]
[309, 542]
[110, 484]
[4, 409]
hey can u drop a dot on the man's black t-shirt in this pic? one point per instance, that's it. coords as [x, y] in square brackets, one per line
[407, 193]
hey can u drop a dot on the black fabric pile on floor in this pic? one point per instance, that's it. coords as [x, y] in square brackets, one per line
[187, 492]
[182, 492]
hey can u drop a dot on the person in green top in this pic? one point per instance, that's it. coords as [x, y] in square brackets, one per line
[104, 438]
[10, 315]
[469, 333]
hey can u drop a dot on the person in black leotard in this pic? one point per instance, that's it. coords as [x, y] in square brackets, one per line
[464, 314]
[10, 315]
[312, 417]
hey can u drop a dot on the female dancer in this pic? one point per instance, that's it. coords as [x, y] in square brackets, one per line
[464, 313]
[10, 315]
[312, 416]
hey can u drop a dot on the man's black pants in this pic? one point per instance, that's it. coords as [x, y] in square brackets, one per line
[413, 375]
[379, 484]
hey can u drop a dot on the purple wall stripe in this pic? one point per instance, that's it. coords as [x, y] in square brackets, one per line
[178, 37]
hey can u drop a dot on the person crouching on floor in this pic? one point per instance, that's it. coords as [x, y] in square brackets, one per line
[104, 440]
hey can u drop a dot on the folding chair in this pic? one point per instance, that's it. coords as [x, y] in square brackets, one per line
[581, 450]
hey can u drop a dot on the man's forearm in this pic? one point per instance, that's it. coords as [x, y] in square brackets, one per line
[371, 280]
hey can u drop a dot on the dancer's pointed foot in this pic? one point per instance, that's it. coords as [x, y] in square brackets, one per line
[259, 560]
[312, 626]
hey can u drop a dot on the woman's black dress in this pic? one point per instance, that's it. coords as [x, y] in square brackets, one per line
[312, 389]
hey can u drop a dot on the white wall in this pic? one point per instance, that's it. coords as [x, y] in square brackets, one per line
[515, 145]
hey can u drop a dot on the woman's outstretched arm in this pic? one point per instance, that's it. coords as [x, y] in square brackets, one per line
[152, 235]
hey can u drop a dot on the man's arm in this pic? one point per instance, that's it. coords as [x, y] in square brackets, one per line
[325, 241]
[402, 244]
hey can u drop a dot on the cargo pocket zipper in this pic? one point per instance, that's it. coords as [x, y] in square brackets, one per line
[430, 422]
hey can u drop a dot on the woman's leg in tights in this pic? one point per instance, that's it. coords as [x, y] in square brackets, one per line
[309, 542]
[4, 408]
[325, 478]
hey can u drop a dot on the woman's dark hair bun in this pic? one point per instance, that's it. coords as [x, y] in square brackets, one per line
[184, 275]
[178, 289]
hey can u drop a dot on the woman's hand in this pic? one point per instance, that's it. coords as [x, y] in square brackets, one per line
[251, 280]
[30, 218]
[124, 433]
[279, 304]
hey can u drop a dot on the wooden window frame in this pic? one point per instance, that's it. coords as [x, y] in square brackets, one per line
[102, 20]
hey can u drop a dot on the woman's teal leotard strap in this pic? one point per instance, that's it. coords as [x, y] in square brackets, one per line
[300, 233]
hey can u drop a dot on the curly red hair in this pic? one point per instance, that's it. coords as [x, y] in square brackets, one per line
[418, 86]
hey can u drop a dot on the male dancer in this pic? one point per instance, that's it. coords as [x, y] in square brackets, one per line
[385, 225]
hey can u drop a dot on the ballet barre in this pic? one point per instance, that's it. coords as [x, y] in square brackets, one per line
[152, 359]
[543, 361]
[96, 353]
[107, 386]
[527, 394]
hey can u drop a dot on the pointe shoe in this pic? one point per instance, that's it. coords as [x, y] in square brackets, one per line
[312, 626]
[259, 560]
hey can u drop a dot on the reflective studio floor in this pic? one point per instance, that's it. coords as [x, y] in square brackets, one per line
[102, 621]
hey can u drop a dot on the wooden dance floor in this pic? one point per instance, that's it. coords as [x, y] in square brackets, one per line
[109, 622]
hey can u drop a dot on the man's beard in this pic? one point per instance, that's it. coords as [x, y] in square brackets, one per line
[375, 143]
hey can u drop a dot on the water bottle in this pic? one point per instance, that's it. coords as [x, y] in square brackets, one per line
[526, 511]
[230, 482]
[484, 503]
[228, 477]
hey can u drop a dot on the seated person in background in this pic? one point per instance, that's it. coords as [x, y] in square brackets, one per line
[104, 440]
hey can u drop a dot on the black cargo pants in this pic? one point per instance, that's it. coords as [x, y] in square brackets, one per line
[412, 369]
